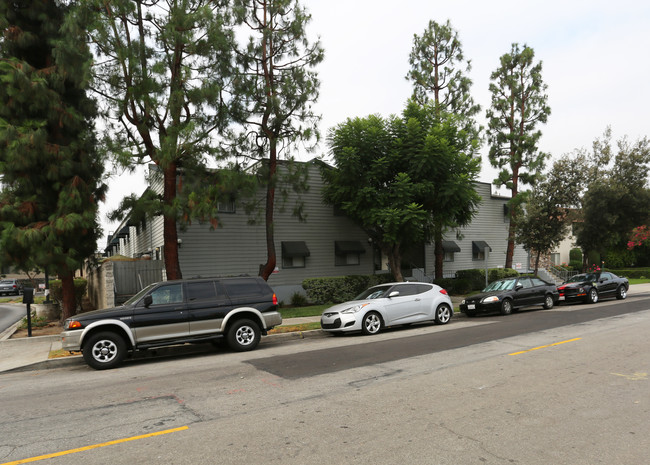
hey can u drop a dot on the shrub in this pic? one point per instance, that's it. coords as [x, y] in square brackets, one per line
[576, 265]
[340, 288]
[575, 255]
[593, 258]
[619, 258]
[80, 288]
[298, 299]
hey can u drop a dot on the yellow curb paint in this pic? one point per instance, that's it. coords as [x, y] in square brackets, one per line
[94, 446]
[633, 377]
[546, 346]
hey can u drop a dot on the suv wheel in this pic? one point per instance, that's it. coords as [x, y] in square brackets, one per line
[243, 335]
[104, 350]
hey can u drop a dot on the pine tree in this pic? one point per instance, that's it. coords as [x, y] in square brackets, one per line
[48, 153]
[519, 105]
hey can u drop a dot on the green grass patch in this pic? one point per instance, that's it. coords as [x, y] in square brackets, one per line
[639, 281]
[295, 328]
[310, 310]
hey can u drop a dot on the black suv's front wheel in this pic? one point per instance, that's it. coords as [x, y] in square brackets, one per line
[243, 335]
[104, 350]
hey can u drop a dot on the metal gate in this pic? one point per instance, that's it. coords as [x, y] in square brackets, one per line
[131, 277]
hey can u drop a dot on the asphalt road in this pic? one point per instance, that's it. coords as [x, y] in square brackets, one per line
[9, 314]
[562, 386]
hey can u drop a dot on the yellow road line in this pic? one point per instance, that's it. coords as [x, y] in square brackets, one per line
[544, 347]
[94, 446]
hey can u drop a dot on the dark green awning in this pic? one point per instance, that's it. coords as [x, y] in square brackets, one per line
[450, 246]
[295, 249]
[479, 246]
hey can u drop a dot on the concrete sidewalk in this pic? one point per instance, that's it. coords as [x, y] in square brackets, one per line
[33, 353]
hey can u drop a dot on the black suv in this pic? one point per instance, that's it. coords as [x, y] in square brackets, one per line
[175, 312]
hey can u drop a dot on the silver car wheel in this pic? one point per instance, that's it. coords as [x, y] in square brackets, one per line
[371, 323]
[245, 335]
[592, 296]
[621, 293]
[548, 302]
[104, 350]
[443, 314]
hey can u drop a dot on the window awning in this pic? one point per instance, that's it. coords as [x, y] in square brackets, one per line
[450, 247]
[348, 247]
[295, 249]
[479, 246]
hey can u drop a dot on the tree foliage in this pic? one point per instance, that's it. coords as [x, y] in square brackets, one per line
[48, 157]
[402, 179]
[275, 89]
[518, 106]
[550, 208]
[162, 70]
[439, 74]
[439, 70]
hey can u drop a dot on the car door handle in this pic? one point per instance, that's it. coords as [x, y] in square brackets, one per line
[417, 300]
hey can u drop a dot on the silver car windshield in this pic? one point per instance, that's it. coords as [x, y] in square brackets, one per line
[373, 293]
[504, 285]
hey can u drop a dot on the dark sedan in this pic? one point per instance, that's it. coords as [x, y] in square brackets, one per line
[590, 287]
[510, 294]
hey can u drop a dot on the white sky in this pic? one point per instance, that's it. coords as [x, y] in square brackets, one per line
[595, 54]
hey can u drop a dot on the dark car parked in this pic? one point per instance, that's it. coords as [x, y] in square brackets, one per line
[590, 287]
[510, 294]
[238, 310]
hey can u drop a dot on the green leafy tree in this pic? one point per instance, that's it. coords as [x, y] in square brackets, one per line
[439, 155]
[369, 186]
[48, 157]
[550, 207]
[275, 89]
[162, 69]
[403, 180]
[439, 74]
[617, 199]
[518, 106]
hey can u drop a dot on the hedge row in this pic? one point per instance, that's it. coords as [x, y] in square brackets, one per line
[340, 288]
[633, 273]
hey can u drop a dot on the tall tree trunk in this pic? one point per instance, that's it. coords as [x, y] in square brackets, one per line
[395, 262]
[67, 290]
[172, 265]
[271, 259]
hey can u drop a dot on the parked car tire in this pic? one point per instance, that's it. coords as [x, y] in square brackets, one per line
[244, 335]
[548, 302]
[592, 296]
[443, 314]
[506, 307]
[371, 323]
[104, 350]
[621, 293]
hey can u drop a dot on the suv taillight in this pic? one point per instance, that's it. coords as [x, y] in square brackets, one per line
[275, 299]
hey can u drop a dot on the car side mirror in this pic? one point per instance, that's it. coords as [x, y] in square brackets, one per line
[393, 294]
[148, 300]
[519, 286]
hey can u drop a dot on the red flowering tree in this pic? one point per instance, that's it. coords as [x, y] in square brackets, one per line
[640, 236]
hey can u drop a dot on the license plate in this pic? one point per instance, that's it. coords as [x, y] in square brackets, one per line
[561, 297]
[471, 307]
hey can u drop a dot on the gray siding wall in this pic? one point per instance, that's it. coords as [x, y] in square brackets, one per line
[489, 225]
[237, 247]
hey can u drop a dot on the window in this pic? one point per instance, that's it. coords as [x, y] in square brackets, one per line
[203, 290]
[348, 252]
[537, 282]
[294, 254]
[525, 282]
[555, 258]
[227, 206]
[478, 250]
[168, 294]
[449, 248]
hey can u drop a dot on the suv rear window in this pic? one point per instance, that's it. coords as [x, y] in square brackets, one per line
[201, 291]
[242, 287]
